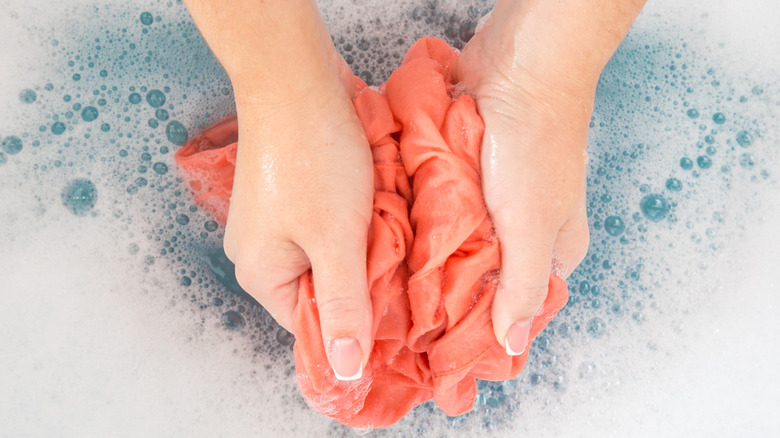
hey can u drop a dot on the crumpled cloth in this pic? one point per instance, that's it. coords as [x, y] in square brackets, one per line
[433, 255]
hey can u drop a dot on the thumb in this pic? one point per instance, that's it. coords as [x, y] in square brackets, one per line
[344, 304]
[526, 254]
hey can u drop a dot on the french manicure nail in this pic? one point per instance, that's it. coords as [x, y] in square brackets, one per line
[517, 337]
[346, 358]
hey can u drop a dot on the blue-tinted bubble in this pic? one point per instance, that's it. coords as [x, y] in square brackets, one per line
[27, 96]
[233, 320]
[614, 225]
[210, 226]
[160, 168]
[146, 156]
[182, 219]
[719, 118]
[176, 133]
[89, 113]
[57, 128]
[134, 98]
[155, 98]
[686, 163]
[596, 327]
[217, 301]
[746, 161]
[76, 77]
[141, 181]
[153, 123]
[161, 115]
[704, 161]
[103, 73]
[105, 127]
[79, 196]
[76, 106]
[654, 207]
[186, 281]
[744, 139]
[674, 184]
[283, 337]
[12, 145]
[693, 113]
[146, 18]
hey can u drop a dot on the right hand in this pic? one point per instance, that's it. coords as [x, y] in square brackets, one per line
[302, 199]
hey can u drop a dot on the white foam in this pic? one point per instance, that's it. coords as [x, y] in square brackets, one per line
[95, 341]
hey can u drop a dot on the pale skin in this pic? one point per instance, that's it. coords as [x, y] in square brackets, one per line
[303, 189]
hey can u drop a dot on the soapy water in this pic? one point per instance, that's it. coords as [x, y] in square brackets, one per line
[122, 312]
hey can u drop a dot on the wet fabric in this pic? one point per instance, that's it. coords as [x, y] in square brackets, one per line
[433, 256]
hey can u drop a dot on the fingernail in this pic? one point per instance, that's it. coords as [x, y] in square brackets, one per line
[517, 337]
[346, 358]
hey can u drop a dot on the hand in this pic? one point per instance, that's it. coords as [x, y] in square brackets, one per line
[302, 198]
[533, 169]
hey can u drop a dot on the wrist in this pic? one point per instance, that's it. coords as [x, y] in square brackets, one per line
[564, 43]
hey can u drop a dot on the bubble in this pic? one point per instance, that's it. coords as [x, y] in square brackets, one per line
[186, 281]
[153, 123]
[614, 225]
[176, 132]
[161, 115]
[686, 163]
[596, 327]
[210, 226]
[674, 184]
[744, 139]
[704, 162]
[134, 98]
[233, 320]
[105, 127]
[719, 118]
[133, 248]
[27, 96]
[103, 73]
[12, 145]
[284, 337]
[76, 77]
[217, 301]
[160, 167]
[654, 207]
[746, 161]
[146, 18]
[57, 128]
[693, 113]
[79, 196]
[89, 113]
[182, 219]
[155, 98]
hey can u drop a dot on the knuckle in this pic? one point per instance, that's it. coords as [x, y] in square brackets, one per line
[342, 313]
[531, 298]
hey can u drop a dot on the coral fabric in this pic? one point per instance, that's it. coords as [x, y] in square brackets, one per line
[433, 256]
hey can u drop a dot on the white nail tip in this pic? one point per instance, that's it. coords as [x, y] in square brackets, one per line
[357, 375]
